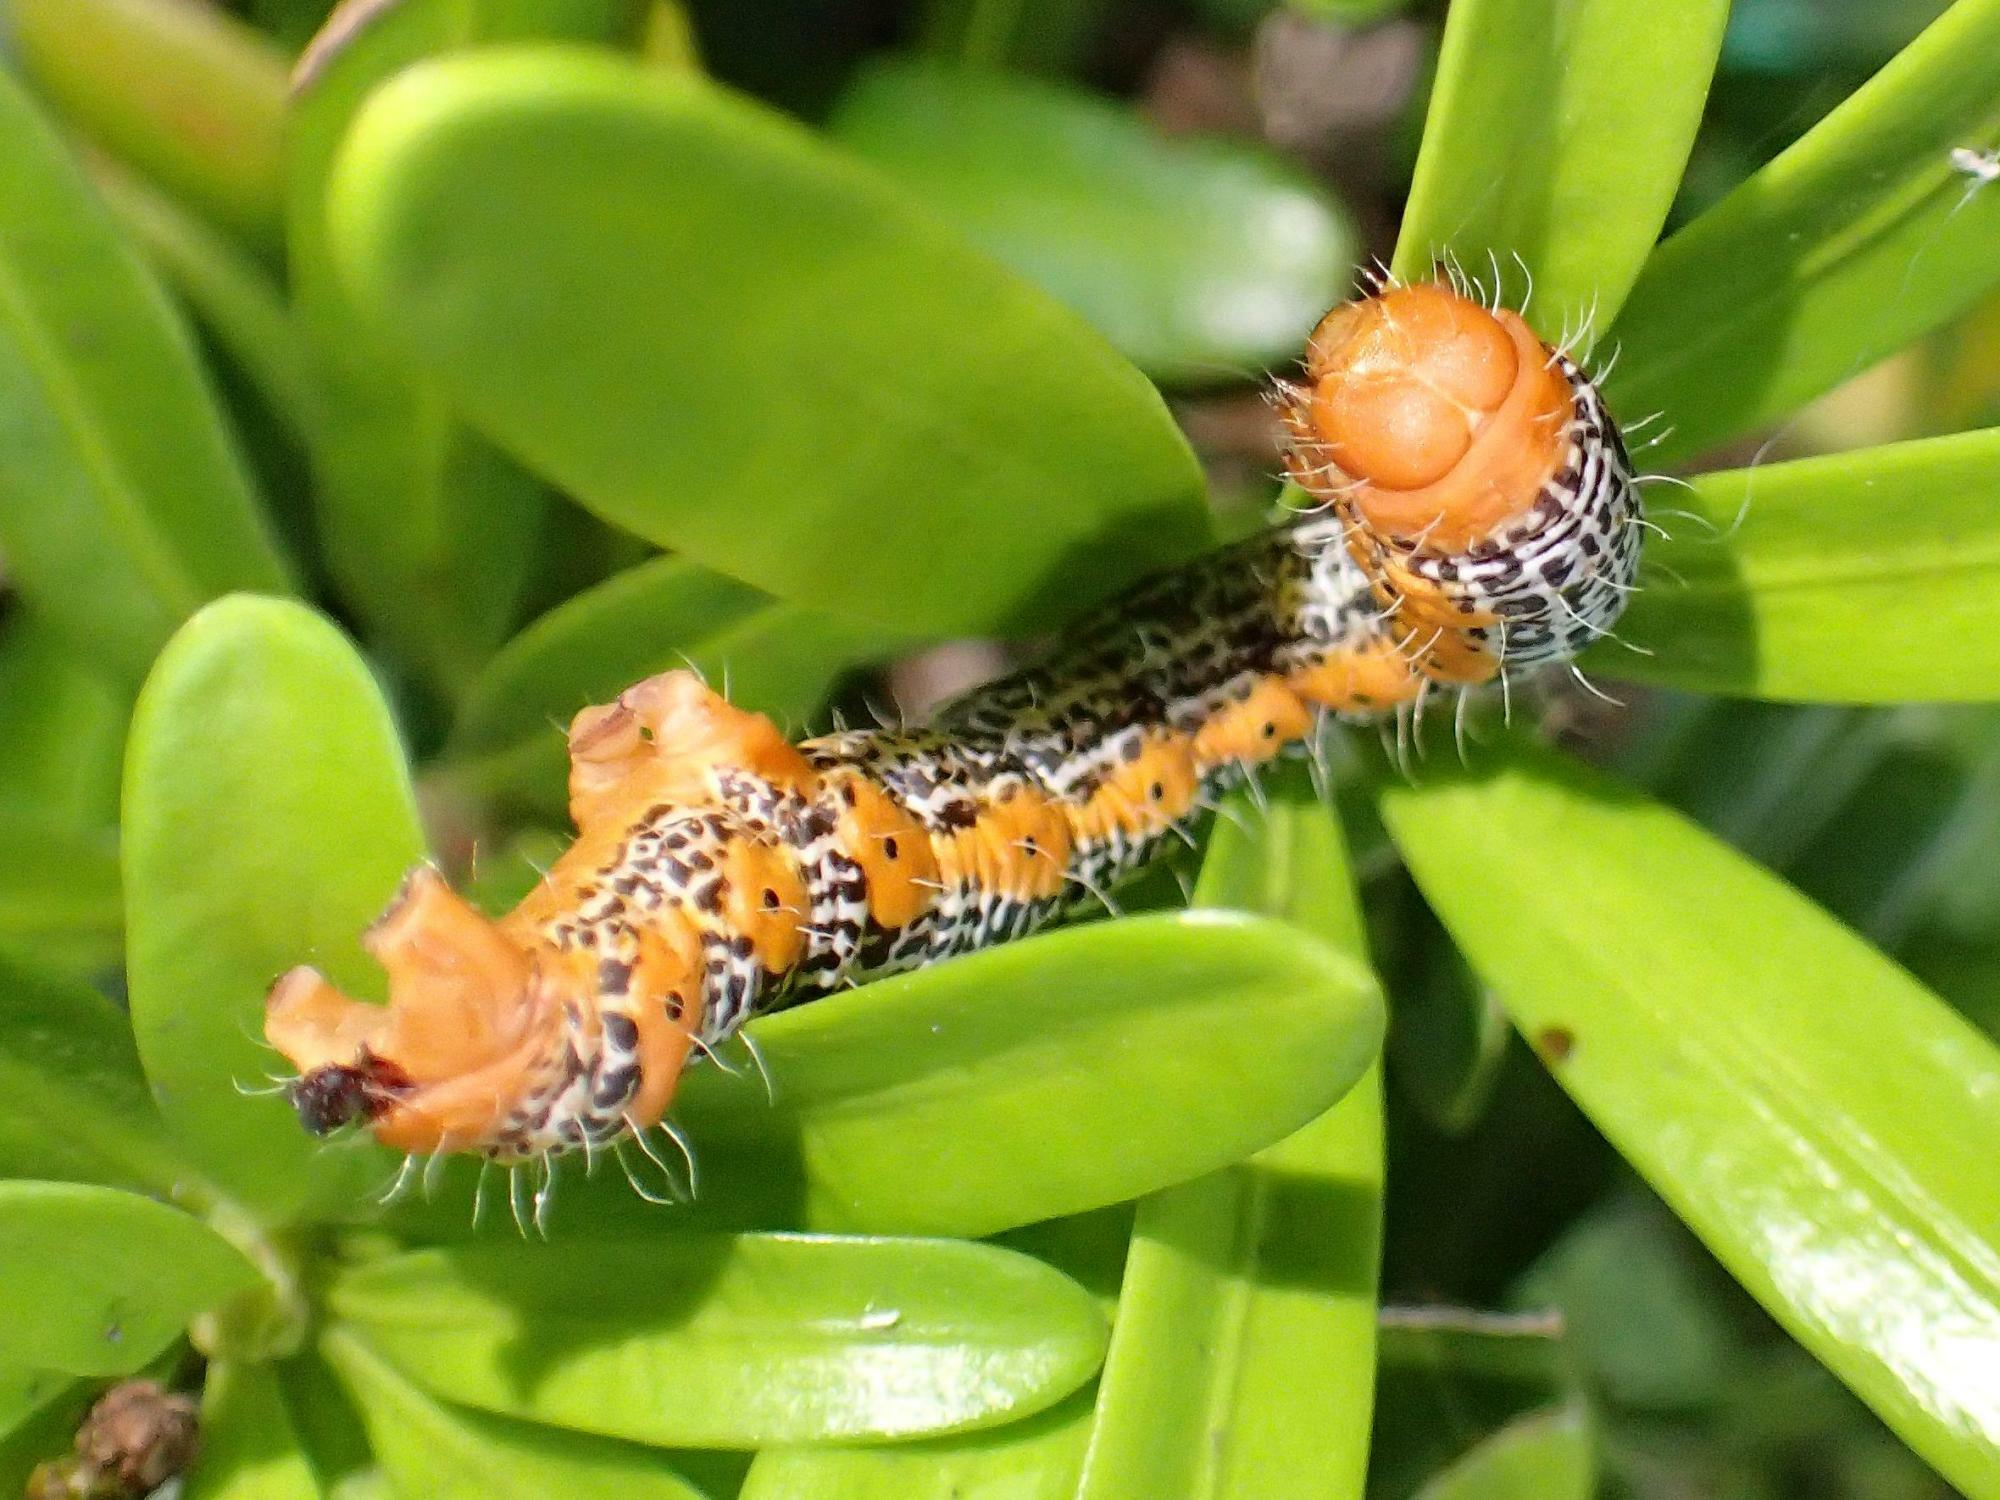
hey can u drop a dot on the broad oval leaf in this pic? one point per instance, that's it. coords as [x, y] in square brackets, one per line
[188, 94]
[707, 1340]
[94, 1281]
[1557, 133]
[1757, 1063]
[444, 1452]
[1042, 1078]
[1201, 260]
[1242, 1365]
[1849, 245]
[778, 659]
[123, 503]
[73, 1102]
[268, 819]
[429, 532]
[1857, 578]
[724, 336]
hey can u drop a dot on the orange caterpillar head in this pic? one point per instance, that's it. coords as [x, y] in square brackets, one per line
[488, 1043]
[1440, 419]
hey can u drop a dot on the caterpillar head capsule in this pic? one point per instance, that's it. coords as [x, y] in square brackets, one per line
[1485, 490]
[487, 1043]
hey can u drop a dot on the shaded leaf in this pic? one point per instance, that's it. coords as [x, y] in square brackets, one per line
[1845, 248]
[186, 93]
[75, 1297]
[73, 1102]
[59, 897]
[1201, 260]
[248, 1448]
[615, 271]
[431, 1449]
[1542, 1457]
[123, 505]
[62, 735]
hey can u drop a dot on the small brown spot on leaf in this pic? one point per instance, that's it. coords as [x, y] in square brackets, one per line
[1555, 1043]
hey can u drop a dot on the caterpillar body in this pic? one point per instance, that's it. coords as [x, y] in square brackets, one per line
[1475, 513]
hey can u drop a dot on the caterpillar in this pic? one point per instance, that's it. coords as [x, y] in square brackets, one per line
[1472, 513]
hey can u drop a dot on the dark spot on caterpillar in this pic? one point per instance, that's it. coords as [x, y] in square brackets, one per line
[889, 847]
[621, 1030]
[770, 899]
[614, 976]
[1270, 731]
[1156, 791]
[335, 1095]
[1555, 1043]
[676, 1003]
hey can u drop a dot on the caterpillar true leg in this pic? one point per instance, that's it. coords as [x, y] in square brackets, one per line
[1475, 516]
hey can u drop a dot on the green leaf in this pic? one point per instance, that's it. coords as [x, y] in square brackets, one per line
[1557, 132]
[187, 94]
[1857, 578]
[1035, 1459]
[710, 1340]
[94, 1281]
[123, 505]
[1243, 1360]
[724, 336]
[1547, 1456]
[1845, 248]
[1199, 259]
[59, 897]
[268, 819]
[63, 733]
[777, 659]
[1024, 36]
[428, 531]
[73, 1103]
[1757, 1063]
[248, 1448]
[234, 298]
[1044, 1077]
[440, 1451]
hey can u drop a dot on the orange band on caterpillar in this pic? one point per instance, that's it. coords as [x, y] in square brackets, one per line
[1476, 513]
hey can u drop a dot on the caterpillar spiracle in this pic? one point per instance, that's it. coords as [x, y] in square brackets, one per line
[1474, 510]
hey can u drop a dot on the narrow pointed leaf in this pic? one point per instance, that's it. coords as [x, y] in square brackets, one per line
[123, 503]
[717, 332]
[444, 1452]
[1849, 245]
[1854, 578]
[59, 898]
[1201, 260]
[1243, 1362]
[268, 819]
[1043, 1078]
[73, 1102]
[1557, 132]
[187, 94]
[1756, 1062]
[249, 1450]
[76, 1296]
[62, 736]
[733, 1340]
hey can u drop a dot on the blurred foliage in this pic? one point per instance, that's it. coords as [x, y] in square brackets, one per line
[783, 336]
